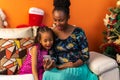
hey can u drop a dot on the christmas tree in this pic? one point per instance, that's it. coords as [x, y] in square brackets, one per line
[111, 45]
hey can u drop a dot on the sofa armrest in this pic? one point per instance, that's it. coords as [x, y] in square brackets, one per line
[100, 63]
[17, 77]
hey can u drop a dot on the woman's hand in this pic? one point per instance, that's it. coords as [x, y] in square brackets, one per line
[48, 64]
[66, 65]
[70, 64]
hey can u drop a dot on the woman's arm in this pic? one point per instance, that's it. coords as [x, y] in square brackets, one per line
[49, 65]
[70, 64]
[33, 52]
[83, 45]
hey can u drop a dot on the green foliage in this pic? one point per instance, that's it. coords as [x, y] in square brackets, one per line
[112, 22]
[117, 24]
[115, 10]
[110, 51]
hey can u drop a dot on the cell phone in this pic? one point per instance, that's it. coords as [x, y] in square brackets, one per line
[47, 57]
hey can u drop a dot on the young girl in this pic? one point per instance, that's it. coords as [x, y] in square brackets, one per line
[34, 60]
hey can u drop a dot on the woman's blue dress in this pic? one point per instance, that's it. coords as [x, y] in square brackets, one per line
[70, 50]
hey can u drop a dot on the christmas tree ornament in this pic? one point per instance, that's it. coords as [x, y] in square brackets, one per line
[3, 22]
[118, 3]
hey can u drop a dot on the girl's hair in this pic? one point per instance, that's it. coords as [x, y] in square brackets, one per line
[62, 5]
[43, 29]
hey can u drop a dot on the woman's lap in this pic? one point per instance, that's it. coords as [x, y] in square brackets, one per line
[79, 73]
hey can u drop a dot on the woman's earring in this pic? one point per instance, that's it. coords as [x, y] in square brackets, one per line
[53, 26]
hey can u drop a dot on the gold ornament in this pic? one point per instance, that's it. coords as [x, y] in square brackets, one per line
[118, 3]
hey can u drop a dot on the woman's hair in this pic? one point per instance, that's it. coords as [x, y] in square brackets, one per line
[43, 29]
[62, 5]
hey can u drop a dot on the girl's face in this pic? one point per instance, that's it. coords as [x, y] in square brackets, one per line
[59, 19]
[46, 40]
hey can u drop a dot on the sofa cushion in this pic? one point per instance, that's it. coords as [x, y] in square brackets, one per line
[13, 48]
[100, 63]
[16, 32]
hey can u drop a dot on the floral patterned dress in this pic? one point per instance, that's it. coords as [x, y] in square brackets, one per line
[70, 50]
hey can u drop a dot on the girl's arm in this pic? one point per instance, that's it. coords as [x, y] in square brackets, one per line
[33, 52]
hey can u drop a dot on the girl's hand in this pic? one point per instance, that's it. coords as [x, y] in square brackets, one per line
[48, 64]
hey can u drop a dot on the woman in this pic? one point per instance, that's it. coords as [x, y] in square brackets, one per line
[70, 49]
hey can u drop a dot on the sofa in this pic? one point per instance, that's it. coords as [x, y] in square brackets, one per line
[105, 67]
[14, 44]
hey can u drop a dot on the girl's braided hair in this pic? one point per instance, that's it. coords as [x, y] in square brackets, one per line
[43, 29]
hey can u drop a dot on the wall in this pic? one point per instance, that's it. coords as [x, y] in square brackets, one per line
[86, 14]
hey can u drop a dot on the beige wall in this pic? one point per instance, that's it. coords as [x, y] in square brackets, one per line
[86, 14]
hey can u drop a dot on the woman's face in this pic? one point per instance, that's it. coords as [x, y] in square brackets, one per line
[59, 20]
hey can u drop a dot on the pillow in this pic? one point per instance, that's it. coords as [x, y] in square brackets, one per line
[12, 54]
[16, 32]
[13, 49]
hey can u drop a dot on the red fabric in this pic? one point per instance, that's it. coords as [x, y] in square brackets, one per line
[22, 26]
[35, 20]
